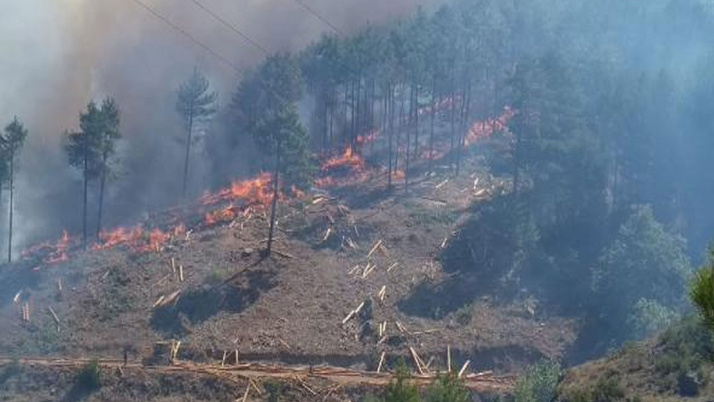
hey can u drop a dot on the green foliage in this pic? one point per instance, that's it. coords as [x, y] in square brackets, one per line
[447, 388]
[539, 383]
[90, 376]
[282, 135]
[643, 262]
[400, 390]
[195, 102]
[95, 141]
[684, 348]
[648, 317]
[275, 390]
[701, 291]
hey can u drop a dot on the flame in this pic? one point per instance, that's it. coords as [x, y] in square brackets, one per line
[226, 214]
[368, 137]
[252, 191]
[485, 128]
[347, 159]
[60, 252]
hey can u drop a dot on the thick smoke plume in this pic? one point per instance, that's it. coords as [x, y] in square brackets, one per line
[59, 55]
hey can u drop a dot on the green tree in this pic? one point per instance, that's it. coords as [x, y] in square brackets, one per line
[106, 149]
[400, 390]
[282, 136]
[15, 134]
[196, 104]
[701, 290]
[82, 149]
[91, 150]
[644, 261]
[539, 383]
[448, 388]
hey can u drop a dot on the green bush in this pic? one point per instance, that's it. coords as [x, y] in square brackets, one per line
[90, 377]
[608, 389]
[447, 388]
[539, 383]
[649, 316]
[400, 390]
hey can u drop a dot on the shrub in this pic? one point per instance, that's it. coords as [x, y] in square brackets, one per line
[649, 316]
[400, 390]
[90, 377]
[448, 388]
[539, 383]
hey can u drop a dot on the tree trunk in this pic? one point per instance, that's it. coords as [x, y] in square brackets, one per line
[188, 152]
[274, 202]
[86, 187]
[409, 131]
[12, 193]
[453, 108]
[102, 181]
[415, 156]
[464, 126]
[390, 125]
[434, 109]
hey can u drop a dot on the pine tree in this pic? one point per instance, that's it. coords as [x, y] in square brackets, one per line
[196, 104]
[15, 134]
[106, 149]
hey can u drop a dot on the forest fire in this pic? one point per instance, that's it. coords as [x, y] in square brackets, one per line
[226, 214]
[252, 191]
[485, 128]
[347, 159]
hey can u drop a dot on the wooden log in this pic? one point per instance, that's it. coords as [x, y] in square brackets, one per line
[463, 369]
[283, 254]
[223, 361]
[355, 268]
[448, 358]
[374, 248]
[440, 185]
[17, 297]
[381, 361]
[245, 395]
[416, 360]
[181, 273]
[391, 267]
[54, 316]
[159, 300]
[327, 234]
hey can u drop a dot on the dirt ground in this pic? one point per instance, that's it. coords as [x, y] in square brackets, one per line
[290, 307]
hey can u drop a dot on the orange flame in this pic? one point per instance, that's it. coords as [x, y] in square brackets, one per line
[486, 128]
[347, 159]
[253, 191]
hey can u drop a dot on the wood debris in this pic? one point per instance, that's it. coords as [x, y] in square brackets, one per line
[159, 300]
[331, 219]
[17, 297]
[223, 361]
[382, 293]
[383, 250]
[282, 342]
[327, 234]
[443, 243]
[448, 358]
[440, 185]
[180, 270]
[166, 300]
[245, 395]
[368, 269]
[394, 265]
[59, 285]
[381, 361]
[352, 271]
[401, 327]
[26, 312]
[382, 329]
[283, 254]
[417, 360]
[353, 313]
[381, 341]
[463, 369]
[54, 316]
[374, 248]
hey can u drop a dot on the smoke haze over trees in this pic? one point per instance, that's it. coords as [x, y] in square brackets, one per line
[609, 149]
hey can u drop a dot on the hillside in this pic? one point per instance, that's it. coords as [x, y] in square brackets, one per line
[673, 366]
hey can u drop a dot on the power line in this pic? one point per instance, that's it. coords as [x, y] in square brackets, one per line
[188, 35]
[230, 26]
[319, 17]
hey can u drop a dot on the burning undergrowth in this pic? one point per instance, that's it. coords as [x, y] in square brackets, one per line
[238, 203]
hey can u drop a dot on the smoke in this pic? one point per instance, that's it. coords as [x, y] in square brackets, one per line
[59, 55]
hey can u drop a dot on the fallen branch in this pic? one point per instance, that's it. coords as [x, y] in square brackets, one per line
[283, 254]
[381, 361]
[461, 372]
[17, 297]
[440, 185]
[374, 248]
[353, 313]
[417, 360]
[352, 271]
[392, 267]
[327, 234]
[282, 342]
[382, 293]
[54, 316]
